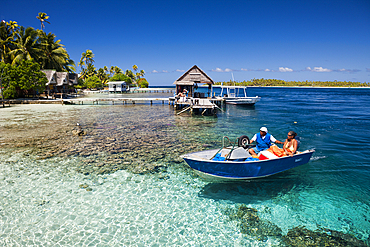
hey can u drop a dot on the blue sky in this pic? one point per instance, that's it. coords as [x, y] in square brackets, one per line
[290, 40]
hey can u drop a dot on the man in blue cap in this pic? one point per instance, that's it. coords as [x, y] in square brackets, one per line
[263, 140]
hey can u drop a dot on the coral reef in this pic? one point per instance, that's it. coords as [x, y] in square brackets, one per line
[253, 226]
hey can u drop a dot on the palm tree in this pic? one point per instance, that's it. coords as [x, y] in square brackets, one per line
[102, 75]
[86, 58]
[6, 36]
[117, 70]
[91, 70]
[134, 67]
[106, 70]
[86, 64]
[43, 18]
[26, 46]
[70, 65]
[111, 71]
[130, 74]
[12, 25]
[54, 55]
[142, 72]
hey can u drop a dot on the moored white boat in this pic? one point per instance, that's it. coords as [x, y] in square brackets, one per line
[236, 95]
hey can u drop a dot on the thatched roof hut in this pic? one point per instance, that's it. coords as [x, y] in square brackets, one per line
[62, 78]
[191, 79]
[73, 79]
[51, 76]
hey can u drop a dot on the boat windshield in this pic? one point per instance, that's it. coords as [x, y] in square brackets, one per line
[230, 91]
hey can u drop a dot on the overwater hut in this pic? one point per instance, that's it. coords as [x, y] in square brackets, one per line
[190, 81]
[117, 86]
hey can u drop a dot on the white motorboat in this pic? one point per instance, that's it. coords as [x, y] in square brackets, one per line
[236, 95]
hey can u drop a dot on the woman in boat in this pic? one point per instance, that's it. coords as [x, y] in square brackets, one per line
[291, 144]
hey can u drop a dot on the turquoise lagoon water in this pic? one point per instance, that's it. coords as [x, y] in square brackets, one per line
[42, 201]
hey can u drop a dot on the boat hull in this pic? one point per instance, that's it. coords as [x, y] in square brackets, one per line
[241, 100]
[247, 101]
[245, 170]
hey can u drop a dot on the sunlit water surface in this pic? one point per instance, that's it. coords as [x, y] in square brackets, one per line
[46, 202]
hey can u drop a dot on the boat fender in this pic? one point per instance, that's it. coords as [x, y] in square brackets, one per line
[242, 141]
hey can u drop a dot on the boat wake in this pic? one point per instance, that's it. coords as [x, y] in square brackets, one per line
[317, 158]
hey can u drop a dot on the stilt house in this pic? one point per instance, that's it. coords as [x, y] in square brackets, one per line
[190, 81]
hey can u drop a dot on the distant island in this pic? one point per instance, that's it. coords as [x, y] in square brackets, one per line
[281, 83]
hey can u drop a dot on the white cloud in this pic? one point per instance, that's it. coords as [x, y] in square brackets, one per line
[267, 70]
[156, 71]
[347, 70]
[217, 70]
[228, 70]
[180, 70]
[321, 69]
[244, 69]
[286, 69]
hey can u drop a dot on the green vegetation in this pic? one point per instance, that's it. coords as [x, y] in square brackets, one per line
[280, 83]
[105, 75]
[24, 52]
[143, 83]
[23, 78]
[19, 44]
[93, 82]
[121, 77]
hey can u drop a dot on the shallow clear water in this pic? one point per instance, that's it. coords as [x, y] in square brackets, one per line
[46, 202]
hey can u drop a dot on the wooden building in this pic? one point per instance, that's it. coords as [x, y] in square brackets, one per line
[52, 81]
[190, 81]
[60, 82]
[73, 80]
[117, 86]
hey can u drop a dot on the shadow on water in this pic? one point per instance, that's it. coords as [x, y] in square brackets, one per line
[252, 191]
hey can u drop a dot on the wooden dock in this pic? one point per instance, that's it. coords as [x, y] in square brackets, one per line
[115, 100]
[152, 90]
[202, 105]
[84, 100]
[196, 104]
